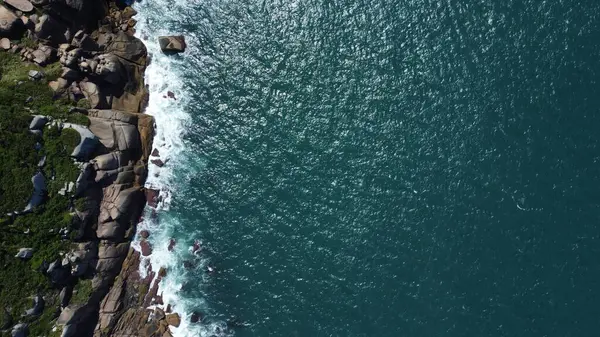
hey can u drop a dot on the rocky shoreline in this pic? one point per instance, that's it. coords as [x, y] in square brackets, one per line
[101, 69]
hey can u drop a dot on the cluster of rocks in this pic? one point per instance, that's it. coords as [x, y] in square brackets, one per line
[104, 63]
[111, 182]
[123, 19]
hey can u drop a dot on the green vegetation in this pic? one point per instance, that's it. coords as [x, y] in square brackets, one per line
[28, 42]
[82, 292]
[21, 97]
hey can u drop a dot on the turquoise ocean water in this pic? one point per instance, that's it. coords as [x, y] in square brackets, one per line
[353, 168]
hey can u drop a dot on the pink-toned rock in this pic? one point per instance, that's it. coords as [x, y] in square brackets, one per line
[196, 248]
[146, 248]
[155, 153]
[152, 197]
[171, 244]
[158, 162]
[144, 234]
[171, 94]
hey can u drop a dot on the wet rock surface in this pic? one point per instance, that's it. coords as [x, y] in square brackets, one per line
[172, 44]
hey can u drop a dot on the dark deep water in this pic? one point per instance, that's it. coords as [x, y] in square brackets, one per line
[408, 168]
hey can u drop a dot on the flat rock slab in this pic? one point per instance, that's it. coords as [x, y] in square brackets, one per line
[172, 44]
[22, 5]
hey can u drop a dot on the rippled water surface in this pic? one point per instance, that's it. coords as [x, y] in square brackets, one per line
[388, 168]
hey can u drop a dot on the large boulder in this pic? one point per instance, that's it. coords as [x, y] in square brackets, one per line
[38, 121]
[39, 191]
[25, 253]
[57, 273]
[10, 24]
[50, 29]
[172, 44]
[20, 330]
[80, 13]
[22, 5]
[146, 129]
[116, 130]
[93, 94]
[109, 161]
[44, 55]
[37, 308]
[87, 142]
[125, 46]
[173, 320]
[65, 296]
[68, 57]
[109, 68]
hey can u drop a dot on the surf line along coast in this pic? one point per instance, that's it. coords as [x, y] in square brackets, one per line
[83, 70]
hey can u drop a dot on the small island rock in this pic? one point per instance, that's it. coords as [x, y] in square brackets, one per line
[172, 44]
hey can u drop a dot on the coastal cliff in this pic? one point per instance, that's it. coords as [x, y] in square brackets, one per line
[77, 145]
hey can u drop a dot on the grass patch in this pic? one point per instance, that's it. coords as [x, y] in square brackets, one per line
[82, 292]
[39, 229]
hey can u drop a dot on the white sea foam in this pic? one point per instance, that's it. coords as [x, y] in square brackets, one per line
[164, 74]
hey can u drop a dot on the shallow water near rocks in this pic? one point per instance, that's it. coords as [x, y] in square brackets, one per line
[352, 168]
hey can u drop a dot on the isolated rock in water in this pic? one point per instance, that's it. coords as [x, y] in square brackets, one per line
[38, 306]
[146, 248]
[173, 320]
[25, 253]
[10, 24]
[39, 191]
[38, 121]
[152, 197]
[195, 317]
[22, 5]
[87, 142]
[5, 43]
[20, 330]
[172, 44]
[144, 234]
[157, 162]
[197, 247]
